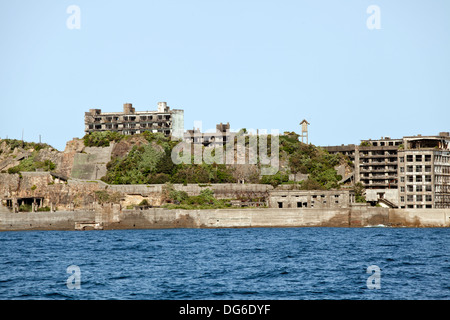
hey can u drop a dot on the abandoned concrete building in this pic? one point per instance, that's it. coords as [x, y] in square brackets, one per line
[168, 121]
[220, 137]
[311, 199]
[412, 172]
[424, 172]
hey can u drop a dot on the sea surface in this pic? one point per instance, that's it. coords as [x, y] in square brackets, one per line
[250, 264]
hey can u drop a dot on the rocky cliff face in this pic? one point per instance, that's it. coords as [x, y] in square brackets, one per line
[65, 164]
[60, 188]
[53, 192]
[11, 155]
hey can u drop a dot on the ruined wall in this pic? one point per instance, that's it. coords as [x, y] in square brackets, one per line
[43, 220]
[63, 196]
[152, 193]
[365, 215]
[420, 217]
[110, 217]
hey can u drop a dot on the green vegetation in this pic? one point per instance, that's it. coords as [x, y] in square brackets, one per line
[144, 203]
[30, 164]
[101, 138]
[205, 200]
[309, 159]
[25, 208]
[29, 208]
[13, 144]
[202, 173]
[152, 164]
[275, 179]
[102, 196]
[137, 168]
[359, 192]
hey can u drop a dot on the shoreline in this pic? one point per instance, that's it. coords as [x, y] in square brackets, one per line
[160, 218]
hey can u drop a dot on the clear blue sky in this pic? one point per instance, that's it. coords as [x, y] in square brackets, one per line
[254, 63]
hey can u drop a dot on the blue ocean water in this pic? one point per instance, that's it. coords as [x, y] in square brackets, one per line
[254, 263]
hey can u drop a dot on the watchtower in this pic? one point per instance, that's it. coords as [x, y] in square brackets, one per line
[304, 134]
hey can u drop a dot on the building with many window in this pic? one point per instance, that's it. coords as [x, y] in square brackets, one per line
[412, 172]
[169, 122]
[424, 172]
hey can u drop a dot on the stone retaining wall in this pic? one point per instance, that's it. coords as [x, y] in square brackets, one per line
[110, 217]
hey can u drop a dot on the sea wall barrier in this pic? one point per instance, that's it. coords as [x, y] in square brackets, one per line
[159, 218]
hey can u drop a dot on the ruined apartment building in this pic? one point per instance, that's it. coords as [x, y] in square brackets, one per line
[218, 138]
[168, 121]
[412, 172]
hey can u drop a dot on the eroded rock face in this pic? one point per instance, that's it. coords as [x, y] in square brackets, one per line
[123, 147]
[11, 158]
[65, 164]
[63, 160]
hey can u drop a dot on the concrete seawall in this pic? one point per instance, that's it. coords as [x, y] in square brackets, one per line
[158, 218]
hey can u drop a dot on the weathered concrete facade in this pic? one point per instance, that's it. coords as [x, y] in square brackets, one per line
[129, 122]
[412, 172]
[311, 199]
[424, 172]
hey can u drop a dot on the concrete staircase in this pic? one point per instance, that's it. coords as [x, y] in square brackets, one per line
[386, 203]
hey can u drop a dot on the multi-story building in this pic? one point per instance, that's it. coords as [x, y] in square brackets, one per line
[424, 172]
[378, 163]
[218, 138]
[412, 172]
[375, 166]
[129, 122]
